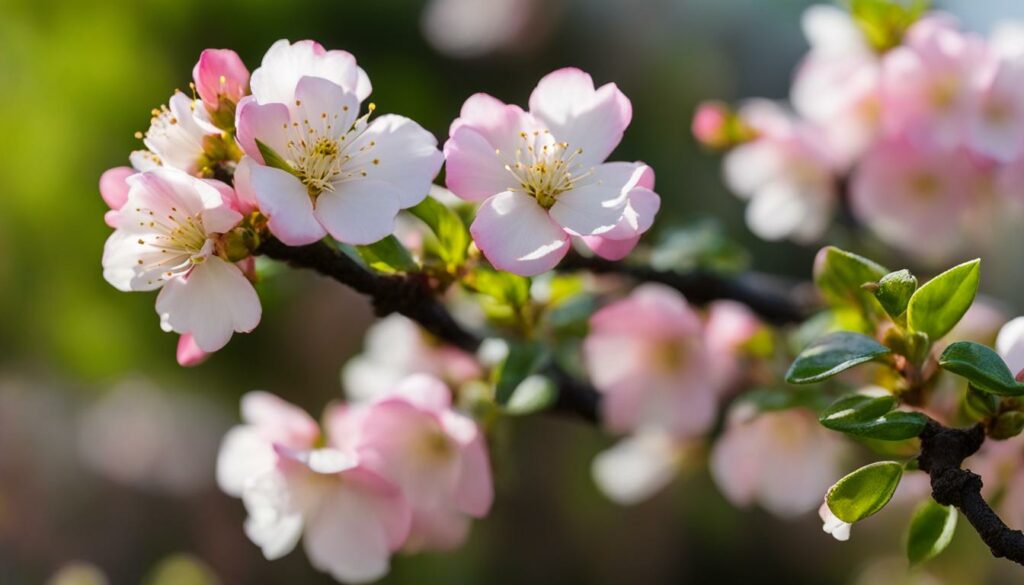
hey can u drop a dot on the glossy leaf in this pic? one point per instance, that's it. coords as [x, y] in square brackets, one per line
[388, 256]
[840, 275]
[940, 303]
[865, 491]
[449, 229]
[872, 417]
[931, 530]
[523, 360]
[982, 366]
[833, 354]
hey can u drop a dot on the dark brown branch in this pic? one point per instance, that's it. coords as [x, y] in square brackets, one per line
[943, 451]
[765, 298]
[412, 296]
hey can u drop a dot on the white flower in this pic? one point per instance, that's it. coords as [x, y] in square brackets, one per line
[832, 525]
[167, 238]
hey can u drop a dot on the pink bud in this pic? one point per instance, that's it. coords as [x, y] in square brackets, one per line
[189, 353]
[709, 122]
[114, 190]
[220, 74]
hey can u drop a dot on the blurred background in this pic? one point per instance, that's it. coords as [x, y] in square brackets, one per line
[107, 447]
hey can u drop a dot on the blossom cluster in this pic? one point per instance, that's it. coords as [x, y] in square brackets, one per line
[909, 122]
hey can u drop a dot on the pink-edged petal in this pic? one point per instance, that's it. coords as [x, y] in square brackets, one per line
[398, 151]
[285, 200]
[611, 249]
[188, 353]
[112, 218]
[497, 122]
[358, 211]
[475, 171]
[325, 106]
[267, 123]
[424, 391]
[594, 120]
[114, 186]
[212, 303]
[245, 195]
[516, 234]
[597, 206]
[348, 536]
[285, 63]
[279, 421]
[474, 493]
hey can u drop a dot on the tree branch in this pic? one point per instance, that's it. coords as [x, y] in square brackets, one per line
[765, 298]
[412, 296]
[943, 451]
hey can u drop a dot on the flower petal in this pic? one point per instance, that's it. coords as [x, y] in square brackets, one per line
[398, 151]
[214, 301]
[325, 106]
[267, 123]
[475, 171]
[244, 455]
[637, 467]
[285, 200]
[285, 63]
[358, 211]
[575, 112]
[516, 234]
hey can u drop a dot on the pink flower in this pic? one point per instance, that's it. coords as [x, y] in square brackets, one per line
[995, 124]
[927, 83]
[395, 348]
[351, 518]
[787, 173]
[220, 76]
[783, 460]
[437, 457]
[284, 64]
[837, 85]
[348, 177]
[645, 354]
[541, 175]
[167, 238]
[911, 198]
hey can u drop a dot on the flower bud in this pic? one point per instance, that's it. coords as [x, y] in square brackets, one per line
[718, 127]
[221, 80]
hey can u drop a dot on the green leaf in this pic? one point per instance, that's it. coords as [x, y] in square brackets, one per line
[1007, 425]
[840, 276]
[870, 417]
[272, 159]
[865, 491]
[533, 394]
[523, 360]
[982, 366]
[931, 530]
[832, 354]
[388, 256]
[894, 292]
[449, 229]
[941, 302]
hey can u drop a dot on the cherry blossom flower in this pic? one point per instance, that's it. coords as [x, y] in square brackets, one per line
[395, 348]
[284, 64]
[346, 177]
[837, 85]
[927, 83]
[167, 238]
[995, 123]
[783, 460]
[221, 78]
[645, 354]
[787, 172]
[349, 518]
[911, 198]
[541, 177]
[437, 457]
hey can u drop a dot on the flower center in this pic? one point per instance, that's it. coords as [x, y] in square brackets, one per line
[181, 239]
[544, 169]
[321, 157]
